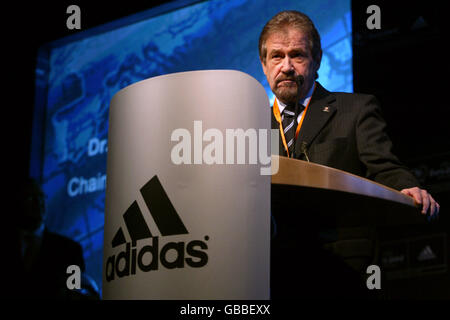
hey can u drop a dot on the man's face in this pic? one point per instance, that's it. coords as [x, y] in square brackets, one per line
[289, 55]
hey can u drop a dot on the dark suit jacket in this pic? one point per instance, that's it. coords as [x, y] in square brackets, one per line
[346, 131]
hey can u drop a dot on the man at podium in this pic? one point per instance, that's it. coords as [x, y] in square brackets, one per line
[340, 130]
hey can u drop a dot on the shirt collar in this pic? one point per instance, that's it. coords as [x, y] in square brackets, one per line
[303, 101]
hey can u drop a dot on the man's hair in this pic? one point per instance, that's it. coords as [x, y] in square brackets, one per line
[296, 20]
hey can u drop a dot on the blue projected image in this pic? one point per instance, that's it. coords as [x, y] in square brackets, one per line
[84, 74]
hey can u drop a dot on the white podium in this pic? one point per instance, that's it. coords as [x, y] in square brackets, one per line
[185, 218]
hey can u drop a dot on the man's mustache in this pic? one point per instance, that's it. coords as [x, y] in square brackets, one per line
[284, 78]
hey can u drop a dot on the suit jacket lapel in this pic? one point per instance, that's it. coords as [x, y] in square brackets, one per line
[320, 110]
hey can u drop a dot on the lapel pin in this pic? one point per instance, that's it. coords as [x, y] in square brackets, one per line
[326, 109]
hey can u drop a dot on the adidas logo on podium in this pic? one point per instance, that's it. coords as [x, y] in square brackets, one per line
[168, 223]
[426, 254]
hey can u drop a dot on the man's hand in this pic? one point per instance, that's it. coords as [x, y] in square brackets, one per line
[422, 197]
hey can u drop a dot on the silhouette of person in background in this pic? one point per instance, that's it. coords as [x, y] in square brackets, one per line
[42, 257]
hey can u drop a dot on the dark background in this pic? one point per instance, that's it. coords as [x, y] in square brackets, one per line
[404, 64]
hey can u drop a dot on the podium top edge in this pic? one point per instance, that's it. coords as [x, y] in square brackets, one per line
[176, 74]
[302, 173]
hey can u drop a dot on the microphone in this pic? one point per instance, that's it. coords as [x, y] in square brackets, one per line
[299, 80]
[303, 148]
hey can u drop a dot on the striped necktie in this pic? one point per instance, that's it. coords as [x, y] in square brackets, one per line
[290, 116]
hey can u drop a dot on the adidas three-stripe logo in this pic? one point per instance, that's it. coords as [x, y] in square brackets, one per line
[163, 212]
[168, 222]
[426, 254]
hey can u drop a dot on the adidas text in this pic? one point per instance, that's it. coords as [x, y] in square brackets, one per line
[125, 262]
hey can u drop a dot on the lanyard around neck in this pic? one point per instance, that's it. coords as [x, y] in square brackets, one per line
[276, 113]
